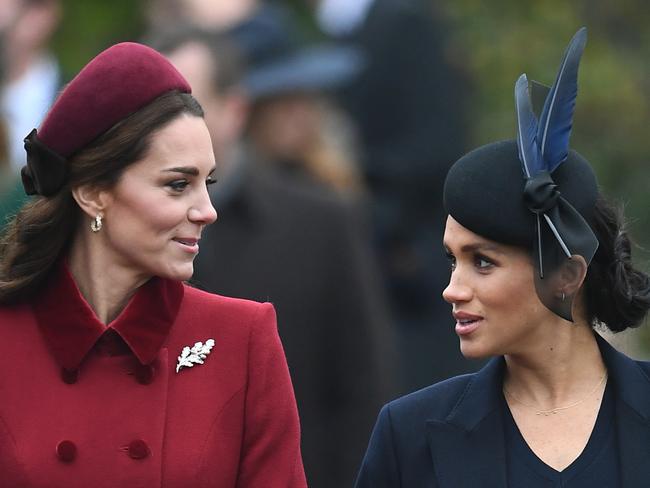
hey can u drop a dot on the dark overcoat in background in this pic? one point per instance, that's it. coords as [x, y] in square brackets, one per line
[409, 106]
[451, 435]
[281, 240]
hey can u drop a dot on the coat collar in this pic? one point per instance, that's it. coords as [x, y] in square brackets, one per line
[71, 328]
[473, 428]
[632, 387]
[630, 380]
[480, 398]
[472, 434]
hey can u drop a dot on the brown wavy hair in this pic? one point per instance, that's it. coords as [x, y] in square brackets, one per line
[41, 232]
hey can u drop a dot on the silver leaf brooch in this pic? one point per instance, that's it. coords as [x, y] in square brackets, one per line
[194, 355]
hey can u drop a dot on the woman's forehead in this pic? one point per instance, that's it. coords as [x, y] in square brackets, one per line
[462, 239]
[458, 235]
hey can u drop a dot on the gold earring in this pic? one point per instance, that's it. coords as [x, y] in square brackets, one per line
[96, 225]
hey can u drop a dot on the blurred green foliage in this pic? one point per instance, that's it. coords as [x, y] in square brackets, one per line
[89, 26]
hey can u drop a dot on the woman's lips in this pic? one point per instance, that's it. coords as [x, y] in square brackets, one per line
[188, 244]
[467, 323]
[466, 328]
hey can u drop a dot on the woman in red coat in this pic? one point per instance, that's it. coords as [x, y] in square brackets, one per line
[113, 371]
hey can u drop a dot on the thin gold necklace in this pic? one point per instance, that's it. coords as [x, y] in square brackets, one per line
[555, 410]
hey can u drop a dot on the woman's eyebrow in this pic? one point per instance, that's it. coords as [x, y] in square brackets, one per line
[186, 170]
[481, 246]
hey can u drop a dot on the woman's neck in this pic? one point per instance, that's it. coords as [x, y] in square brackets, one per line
[556, 370]
[106, 286]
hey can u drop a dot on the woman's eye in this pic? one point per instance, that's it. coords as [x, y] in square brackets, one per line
[210, 181]
[452, 261]
[178, 185]
[483, 263]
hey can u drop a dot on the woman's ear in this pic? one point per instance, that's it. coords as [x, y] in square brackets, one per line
[92, 200]
[571, 275]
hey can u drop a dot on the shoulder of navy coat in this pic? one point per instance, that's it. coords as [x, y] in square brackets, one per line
[424, 439]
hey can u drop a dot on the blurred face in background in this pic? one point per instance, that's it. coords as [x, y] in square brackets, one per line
[217, 14]
[285, 127]
[225, 112]
[27, 25]
[8, 12]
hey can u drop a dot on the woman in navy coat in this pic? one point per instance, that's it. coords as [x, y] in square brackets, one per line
[114, 372]
[538, 259]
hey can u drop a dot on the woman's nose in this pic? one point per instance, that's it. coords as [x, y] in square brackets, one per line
[203, 211]
[456, 291]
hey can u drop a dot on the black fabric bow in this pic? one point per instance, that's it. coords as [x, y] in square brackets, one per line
[45, 171]
[541, 193]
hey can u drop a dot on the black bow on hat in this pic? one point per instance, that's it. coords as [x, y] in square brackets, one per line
[45, 171]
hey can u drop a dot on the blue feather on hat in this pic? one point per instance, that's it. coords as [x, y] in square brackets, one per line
[544, 144]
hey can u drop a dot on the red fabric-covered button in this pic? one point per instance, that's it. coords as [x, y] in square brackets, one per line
[69, 376]
[144, 373]
[138, 449]
[66, 451]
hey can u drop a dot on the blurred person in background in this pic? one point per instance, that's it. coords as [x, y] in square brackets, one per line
[211, 15]
[293, 123]
[31, 75]
[11, 191]
[12, 195]
[408, 105]
[306, 137]
[302, 248]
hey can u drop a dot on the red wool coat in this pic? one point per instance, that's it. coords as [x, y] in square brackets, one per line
[86, 405]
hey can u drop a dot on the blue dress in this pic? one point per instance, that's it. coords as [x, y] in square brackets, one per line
[597, 465]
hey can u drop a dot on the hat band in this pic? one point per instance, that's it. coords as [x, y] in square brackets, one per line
[45, 171]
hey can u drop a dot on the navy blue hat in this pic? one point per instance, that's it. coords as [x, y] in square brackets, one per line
[277, 64]
[533, 192]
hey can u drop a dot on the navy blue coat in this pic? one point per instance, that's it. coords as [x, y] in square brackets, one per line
[450, 435]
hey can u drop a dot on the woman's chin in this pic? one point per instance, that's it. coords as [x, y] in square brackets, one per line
[179, 273]
[473, 351]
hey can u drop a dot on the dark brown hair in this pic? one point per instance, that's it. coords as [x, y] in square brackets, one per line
[42, 230]
[617, 294]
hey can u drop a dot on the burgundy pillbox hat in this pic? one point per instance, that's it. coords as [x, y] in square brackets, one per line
[116, 83]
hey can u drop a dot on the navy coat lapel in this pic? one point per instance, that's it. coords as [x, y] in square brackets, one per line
[632, 414]
[467, 446]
